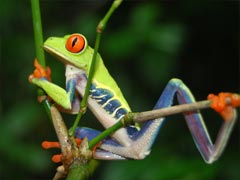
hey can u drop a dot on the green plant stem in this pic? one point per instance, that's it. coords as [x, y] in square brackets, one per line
[45, 102]
[38, 39]
[105, 133]
[38, 35]
[101, 26]
[82, 171]
[83, 104]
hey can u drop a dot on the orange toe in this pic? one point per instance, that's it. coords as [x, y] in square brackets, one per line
[57, 158]
[49, 144]
[40, 72]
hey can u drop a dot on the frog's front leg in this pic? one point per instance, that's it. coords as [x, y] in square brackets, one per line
[141, 141]
[65, 99]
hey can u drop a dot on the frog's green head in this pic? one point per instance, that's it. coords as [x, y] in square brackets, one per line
[71, 49]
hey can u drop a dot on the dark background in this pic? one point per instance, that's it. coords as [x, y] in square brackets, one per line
[145, 44]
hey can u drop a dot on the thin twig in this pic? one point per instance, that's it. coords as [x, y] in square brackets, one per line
[158, 113]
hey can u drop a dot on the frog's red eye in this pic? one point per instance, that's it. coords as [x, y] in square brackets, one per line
[75, 43]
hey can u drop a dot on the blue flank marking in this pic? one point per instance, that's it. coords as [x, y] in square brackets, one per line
[120, 112]
[70, 87]
[99, 92]
[112, 106]
[104, 99]
[102, 96]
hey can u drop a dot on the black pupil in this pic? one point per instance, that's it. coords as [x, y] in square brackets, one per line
[74, 41]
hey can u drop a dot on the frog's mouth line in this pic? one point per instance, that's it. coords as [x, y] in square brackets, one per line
[61, 56]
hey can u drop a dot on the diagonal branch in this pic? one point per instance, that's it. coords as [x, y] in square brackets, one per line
[158, 113]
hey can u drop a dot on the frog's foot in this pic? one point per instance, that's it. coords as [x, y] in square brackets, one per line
[47, 145]
[58, 157]
[40, 72]
[50, 144]
[224, 104]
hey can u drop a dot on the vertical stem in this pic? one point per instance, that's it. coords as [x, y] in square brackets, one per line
[38, 35]
[91, 71]
[45, 102]
[89, 82]
[82, 171]
[38, 39]
[101, 26]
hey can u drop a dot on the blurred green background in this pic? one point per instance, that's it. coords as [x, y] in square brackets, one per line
[146, 43]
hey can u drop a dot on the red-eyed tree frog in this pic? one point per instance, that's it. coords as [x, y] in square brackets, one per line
[109, 105]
